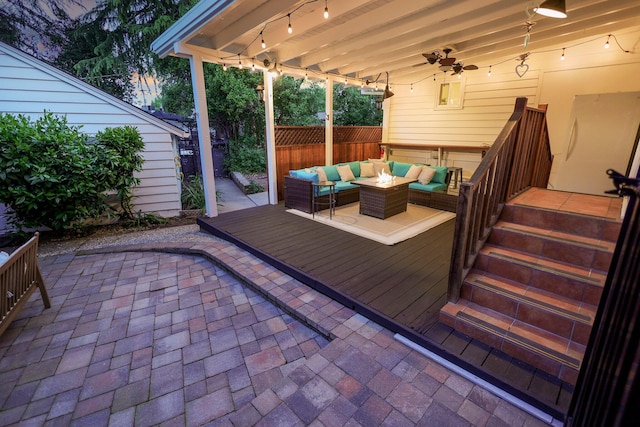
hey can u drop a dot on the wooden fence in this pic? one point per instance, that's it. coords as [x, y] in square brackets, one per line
[303, 146]
[519, 158]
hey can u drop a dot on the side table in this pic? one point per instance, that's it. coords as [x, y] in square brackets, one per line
[457, 172]
[320, 201]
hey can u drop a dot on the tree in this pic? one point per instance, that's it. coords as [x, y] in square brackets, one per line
[352, 108]
[130, 26]
[36, 26]
[77, 49]
[296, 104]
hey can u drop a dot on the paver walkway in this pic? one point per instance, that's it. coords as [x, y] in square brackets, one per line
[206, 334]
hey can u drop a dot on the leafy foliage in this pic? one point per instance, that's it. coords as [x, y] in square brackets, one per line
[78, 49]
[120, 155]
[246, 156]
[130, 28]
[352, 108]
[296, 104]
[51, 175]
[36, 26]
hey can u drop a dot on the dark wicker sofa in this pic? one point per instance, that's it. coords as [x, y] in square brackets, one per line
[298, 194]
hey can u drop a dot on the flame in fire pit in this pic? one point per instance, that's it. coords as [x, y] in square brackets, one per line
[384, 178]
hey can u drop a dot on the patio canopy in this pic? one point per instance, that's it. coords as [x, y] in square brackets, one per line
[363, 38]
[388, 41]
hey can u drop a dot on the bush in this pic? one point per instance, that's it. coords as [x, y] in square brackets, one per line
[51, 175]
[121, 158]
[246, 156]
[193, 194]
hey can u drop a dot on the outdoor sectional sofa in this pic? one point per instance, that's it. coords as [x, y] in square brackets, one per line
[298, 188]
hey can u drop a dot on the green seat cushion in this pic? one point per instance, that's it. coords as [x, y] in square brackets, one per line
[302, 174]
[332, 172]
[400, 168]
[441, 174]
[355, 167]
[432, 186]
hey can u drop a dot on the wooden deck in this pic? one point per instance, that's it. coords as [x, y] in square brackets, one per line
[402, 287]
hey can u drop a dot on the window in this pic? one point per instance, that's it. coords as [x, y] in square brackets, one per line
[450, 95]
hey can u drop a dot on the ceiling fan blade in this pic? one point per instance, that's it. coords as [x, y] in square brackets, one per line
[447, 62]
[470, 67]
[431, 57]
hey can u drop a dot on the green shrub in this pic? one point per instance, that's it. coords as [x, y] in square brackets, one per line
[246, 156]
[120, 156]
[52, 175]
[254, 188]
[193, 194]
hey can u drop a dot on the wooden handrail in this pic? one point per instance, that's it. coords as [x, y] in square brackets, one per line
[519, 158]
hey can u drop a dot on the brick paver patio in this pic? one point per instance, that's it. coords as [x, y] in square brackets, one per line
[206, 334]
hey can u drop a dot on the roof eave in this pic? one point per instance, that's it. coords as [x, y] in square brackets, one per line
[188, 25]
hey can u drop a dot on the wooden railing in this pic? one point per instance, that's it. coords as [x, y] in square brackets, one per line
[519, 158]
[19, 278]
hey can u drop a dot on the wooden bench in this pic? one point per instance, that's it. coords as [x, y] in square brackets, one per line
[19, 277]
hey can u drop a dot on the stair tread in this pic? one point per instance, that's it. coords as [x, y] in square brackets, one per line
[573, 239]
[530, 337]
[587, 275]
[545, 300]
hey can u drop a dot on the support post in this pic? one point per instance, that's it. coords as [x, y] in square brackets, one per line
[204, 138]
[328, 125]
[270, 137]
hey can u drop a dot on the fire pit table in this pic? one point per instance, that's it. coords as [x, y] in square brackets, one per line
[383, 199]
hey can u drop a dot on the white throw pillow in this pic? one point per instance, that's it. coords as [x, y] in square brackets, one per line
[345, 172]
[413, 172]
[380, 167]
[426, 175]
[367, 170]
[322, 175]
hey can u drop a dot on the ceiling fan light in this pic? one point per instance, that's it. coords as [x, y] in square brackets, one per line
[552, 9]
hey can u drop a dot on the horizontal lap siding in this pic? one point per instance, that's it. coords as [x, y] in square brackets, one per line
[29, 88]
[487, 104]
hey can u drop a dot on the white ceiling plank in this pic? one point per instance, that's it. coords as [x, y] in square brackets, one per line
[253, 21]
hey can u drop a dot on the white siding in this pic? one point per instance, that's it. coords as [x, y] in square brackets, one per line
[411, 118]
[29, 87]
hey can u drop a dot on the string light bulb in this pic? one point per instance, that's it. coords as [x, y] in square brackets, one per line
[326, 10]
[489, 73]
[224, 67]
[239, 62]
[411, 88]
[289, 29]
[253, 66]
[264, 45]
[562, 57]
[606, 45]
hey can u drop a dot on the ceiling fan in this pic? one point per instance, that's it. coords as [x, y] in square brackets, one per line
[447, 63]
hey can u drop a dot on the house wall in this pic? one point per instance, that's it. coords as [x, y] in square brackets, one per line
[488, 102]
[28, 87]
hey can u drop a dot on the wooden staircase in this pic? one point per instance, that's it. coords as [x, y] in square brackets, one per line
[534, 288]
